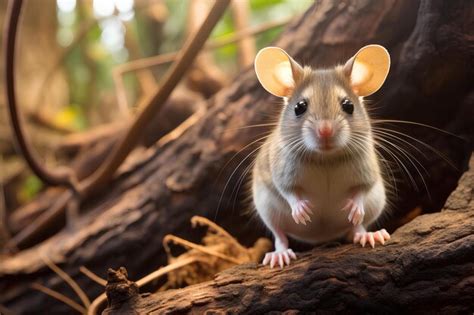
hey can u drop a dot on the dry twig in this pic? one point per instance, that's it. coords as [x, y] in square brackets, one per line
[88, 273]
[59, 296]
[73, 284]
[219, 251]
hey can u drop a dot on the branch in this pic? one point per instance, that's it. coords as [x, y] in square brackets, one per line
[153, 103]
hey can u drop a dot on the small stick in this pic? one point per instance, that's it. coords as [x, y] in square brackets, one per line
[87, 272]
[185, 243]
[59, 296]
[185, 125]
[73, 284]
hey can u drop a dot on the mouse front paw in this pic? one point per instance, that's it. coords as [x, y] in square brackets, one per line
[355, 207]
[301, 211]
[281, 257]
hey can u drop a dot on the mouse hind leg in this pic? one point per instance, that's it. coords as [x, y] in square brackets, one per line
[268, 206]
[373, 203]
[282, 255]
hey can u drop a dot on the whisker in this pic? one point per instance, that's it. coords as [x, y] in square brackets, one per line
[238, 152]
[230, 177]
[375, 121]
[409, 158]
[401, 140]
[358, 141]
[431, 148]
[398, 161]
[240, 182]
[396, 147]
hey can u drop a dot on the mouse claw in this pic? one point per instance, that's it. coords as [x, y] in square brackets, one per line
[385, 234]
[286, 258]
[356, 210]
[301, 212]
[379, 237]
[371, 239]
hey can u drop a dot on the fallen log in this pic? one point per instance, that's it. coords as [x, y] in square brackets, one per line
[426, 268]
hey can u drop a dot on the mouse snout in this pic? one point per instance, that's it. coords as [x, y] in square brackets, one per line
[325, 129]
[322, 135]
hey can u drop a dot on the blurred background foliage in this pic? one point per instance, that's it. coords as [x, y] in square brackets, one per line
[69, 49]
[105, 44]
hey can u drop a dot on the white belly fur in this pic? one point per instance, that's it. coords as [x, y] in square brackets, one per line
[328, 194]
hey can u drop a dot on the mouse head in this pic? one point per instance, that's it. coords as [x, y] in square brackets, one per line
[323, 108]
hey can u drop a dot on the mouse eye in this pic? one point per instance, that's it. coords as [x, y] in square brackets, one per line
[347, 106]
[300, 108]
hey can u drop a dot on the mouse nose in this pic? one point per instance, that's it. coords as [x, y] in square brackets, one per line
[325, 129]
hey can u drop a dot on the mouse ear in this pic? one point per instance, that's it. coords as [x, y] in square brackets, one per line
[277, 72]
[368, 69]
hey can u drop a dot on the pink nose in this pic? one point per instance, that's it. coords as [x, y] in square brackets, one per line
[325, 129]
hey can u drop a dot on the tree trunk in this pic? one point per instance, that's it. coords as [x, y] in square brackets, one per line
[426, 268]
[156, 193]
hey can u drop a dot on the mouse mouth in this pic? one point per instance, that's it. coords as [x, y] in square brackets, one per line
[326, 144]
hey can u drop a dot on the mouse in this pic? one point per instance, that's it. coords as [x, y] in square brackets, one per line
[317, 176]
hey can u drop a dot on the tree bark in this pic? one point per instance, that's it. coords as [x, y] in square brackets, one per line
[157, 192]
[426, 268]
